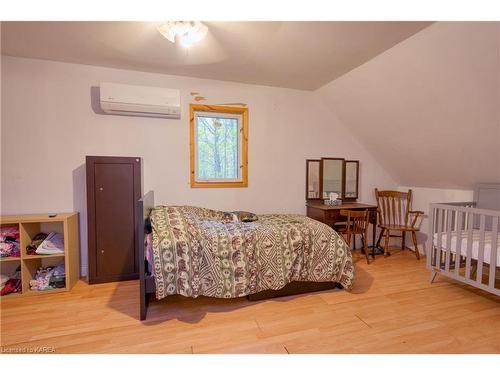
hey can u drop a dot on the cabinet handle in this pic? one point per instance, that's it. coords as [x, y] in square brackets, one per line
[102, 251]
[101, 189]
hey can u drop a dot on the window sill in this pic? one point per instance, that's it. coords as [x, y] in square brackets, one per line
[239, 184]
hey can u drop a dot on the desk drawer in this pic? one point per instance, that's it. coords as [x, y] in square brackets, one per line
[332, 214]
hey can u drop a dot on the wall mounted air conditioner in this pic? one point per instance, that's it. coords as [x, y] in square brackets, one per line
[129, 100]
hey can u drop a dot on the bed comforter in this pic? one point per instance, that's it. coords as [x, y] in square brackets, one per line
[196, 253]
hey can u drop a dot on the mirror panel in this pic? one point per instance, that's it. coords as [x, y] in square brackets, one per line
[332, 173]
[312, 179]
[351, 179]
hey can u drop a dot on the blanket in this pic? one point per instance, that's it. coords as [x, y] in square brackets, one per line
[196, 253]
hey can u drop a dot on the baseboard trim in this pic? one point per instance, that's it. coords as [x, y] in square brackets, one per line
[84, 270]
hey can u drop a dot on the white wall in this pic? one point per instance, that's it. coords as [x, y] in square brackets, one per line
[48, 126]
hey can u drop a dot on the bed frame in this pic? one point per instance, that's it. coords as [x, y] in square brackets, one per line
[460, 219]
[147, 283]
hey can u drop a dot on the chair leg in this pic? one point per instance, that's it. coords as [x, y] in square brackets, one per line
[365, 248]
[386, 247]
[380, 237]
[348, 240]
[354, 241]
[403, 242]
[414, 236]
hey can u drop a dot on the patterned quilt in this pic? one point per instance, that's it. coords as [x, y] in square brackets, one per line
[196, 253]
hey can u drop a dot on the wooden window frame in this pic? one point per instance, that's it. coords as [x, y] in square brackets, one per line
[243, 111]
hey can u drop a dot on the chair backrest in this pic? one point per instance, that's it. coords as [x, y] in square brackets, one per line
[357, 222]
[394, 207]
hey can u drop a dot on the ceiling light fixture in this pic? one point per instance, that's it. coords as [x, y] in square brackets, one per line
[185, 32]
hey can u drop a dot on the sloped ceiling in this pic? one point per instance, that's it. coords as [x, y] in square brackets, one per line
[300, 55]
[428, 108]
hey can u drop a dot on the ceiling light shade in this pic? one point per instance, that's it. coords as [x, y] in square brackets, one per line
[186, 32]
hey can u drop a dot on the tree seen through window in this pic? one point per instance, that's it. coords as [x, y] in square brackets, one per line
[217, 148]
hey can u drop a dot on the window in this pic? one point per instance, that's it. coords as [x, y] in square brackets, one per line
[218, 145]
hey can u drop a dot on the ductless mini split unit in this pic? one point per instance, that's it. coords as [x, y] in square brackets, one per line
[144, 101]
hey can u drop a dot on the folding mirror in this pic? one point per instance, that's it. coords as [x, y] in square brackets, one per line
[351, 179]
[332, 177]
[312, 178]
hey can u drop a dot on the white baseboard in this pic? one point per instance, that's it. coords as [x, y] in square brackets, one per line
[84, 269]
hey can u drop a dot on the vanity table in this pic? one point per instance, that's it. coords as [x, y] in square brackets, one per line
[339, 177]
[330, 215]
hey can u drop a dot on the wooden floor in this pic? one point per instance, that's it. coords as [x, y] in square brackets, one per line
[392, 309]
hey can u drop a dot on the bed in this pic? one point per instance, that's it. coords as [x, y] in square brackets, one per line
[191, 251]
[465, 239]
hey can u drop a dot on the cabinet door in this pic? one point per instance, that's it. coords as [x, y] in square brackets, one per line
[114, 208]
[113, 189]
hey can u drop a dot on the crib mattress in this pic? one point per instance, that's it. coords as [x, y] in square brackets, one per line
[475, 244]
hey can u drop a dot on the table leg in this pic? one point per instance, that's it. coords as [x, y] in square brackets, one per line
[375, 248]
[374, 235]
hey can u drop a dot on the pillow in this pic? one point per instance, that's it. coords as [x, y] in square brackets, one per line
[229, 217]
[245, 216]
[235, 216]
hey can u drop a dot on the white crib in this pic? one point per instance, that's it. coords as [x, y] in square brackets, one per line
[464, 241]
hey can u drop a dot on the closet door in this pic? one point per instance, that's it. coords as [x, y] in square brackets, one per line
[114, 187]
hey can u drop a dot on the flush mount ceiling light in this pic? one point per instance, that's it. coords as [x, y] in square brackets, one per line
[185, 32]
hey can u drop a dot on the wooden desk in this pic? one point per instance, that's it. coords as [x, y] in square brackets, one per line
[330, 215]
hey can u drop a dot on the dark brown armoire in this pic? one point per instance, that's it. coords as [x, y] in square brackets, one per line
[113, 189]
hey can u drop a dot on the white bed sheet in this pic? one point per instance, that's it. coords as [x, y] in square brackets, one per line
[475, 244]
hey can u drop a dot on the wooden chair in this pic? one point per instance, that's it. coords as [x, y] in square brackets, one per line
[394, 215]
[357, 223]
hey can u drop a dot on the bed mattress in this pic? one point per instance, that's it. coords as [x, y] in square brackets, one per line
[475, 244]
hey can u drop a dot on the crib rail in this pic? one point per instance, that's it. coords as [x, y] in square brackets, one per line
[463, 244]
